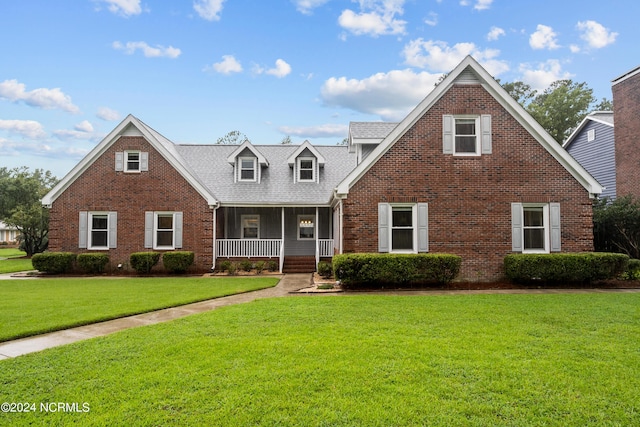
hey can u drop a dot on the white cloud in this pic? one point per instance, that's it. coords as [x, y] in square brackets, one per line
[84, 126]
[281, 69]
[27, 128]
[228, 65]
[376, 17]
[306, 6]
[47, 99]
[125, 8]
[148, 51]
[439, 56]
[389, 95]
[321, 131]
[495, 33]
[208, 9]
[483, 4]
[107, 114]
[432, 19]
[83, 130]
[595, 34]
[539, 77]
[543, 38]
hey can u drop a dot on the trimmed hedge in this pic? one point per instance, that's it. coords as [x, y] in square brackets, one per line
[53, 262]
[383, 270]
[564, 267]
[143, 262]
[92, 262]
[325, 270]
[177, 261]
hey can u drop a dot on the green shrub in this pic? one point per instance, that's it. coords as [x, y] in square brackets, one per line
[224, 265]
[633, 270]
[53, 262]
[272, 266]
[93, 263]
[246, 265]
[143, 262]
[379, 270]
[325, 270]
[232, 268]
[564, 267]
[177, 261]
[259, 266]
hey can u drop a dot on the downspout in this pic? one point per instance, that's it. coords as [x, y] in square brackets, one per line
[215, 227]
[340, 228]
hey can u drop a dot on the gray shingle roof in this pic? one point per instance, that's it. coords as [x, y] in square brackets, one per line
[371, 130]
[209, 164]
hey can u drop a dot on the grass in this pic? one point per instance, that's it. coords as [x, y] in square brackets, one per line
[30, 307]
[11, 261]
[471, 360]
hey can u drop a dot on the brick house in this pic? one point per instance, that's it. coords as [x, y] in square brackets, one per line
[468, 172]
[626, 104]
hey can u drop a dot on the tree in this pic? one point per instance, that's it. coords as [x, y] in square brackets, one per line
[604, 105]
[616, 226]
[286, 140]
[561, 107]
[235, 137]
[521, 92]
[20, 195]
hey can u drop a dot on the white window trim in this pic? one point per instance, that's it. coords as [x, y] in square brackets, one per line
[414, 227]
[245, 217]
[254, 161]
[313, 169]
[90, 244]
[591, 135]
[126, 161]
[155, 230]
[546, 226]
[478, 135]
[315, 227]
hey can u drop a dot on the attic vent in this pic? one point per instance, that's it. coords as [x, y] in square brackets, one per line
[467, 77]
[591, 135]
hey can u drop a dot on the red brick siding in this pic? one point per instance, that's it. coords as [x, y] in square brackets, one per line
[626, 106]
[162, 188]
[469, 198]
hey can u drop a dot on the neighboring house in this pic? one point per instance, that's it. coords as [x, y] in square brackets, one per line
[626, 107]
[592, 144]
[468, 172]
[8, 234]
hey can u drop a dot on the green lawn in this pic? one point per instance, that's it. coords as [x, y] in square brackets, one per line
[30, 307]
[11, 261]
[468, 360]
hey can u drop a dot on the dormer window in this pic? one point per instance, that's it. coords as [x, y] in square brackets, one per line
[247, 168]
[306, 169]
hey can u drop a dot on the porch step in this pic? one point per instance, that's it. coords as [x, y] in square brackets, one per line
[299, 264]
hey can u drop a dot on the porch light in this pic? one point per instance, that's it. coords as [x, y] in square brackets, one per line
[306, 223]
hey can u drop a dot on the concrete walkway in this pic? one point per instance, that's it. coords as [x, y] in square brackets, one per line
[287, 284]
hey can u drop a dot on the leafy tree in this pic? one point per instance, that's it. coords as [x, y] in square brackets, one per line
[616, 226]
[604, 105]
[521, 92]
[20, 195]
[561, 107]
[235, 137]
[286, 140]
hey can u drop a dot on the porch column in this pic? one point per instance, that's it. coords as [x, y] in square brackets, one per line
[282, 237]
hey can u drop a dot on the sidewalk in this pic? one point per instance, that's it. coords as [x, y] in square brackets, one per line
[287, 284]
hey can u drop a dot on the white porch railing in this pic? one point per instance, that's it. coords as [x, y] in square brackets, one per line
[248, 248]
[324, 249]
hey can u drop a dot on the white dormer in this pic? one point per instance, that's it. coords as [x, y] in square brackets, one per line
[306, 162]
[247, 163]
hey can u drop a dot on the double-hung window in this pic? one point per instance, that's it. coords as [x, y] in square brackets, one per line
[402, 229]
[163, 230]
[535, 227]
[250, 226]
[306, 227]
[466, 136]
[98, 230]
[247, 168]
[132, 161]
[306, 169]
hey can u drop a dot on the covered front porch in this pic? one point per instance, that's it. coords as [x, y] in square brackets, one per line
[283, 232]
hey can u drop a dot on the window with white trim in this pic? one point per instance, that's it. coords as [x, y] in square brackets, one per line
[247, 168]
[402, 229]
[164, 231]
[250, 226]
[132, 161]
[98, 230]
[306, 227]
[306, 169]
[535, 223]
[466, 136]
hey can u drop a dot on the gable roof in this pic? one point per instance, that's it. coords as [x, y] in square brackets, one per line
[247, 146]
[132, 126]
[603, 117]
[306, 145]
[469, 70]
[625, 76]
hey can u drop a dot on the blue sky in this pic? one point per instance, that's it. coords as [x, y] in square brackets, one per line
[71, 70]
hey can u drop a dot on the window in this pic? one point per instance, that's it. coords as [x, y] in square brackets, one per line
[163, 230]
[402, 228]
[132, 163]
[536, 227]
[98, 231]
[306, 227]
[247, 168]
[306, 169]
[250, 226]
[466, 137]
